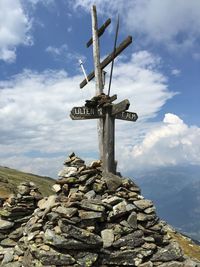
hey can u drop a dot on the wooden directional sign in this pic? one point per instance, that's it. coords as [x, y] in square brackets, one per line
[85, 113]
[119, 107]
[127, 116]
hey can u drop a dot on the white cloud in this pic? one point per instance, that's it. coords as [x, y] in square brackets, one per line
[34, 112]
[14, 28]
[57, 51]
[142, 83]
[176, 24]
[170, 143]
[63, 53]
[44, 2]
[176, 72]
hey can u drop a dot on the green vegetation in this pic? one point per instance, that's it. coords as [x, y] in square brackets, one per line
[10, 179]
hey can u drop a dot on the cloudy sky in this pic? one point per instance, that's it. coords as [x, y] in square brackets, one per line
[41, 42]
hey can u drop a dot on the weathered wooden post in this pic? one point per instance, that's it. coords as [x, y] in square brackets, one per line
[98, 77]
[109, 141]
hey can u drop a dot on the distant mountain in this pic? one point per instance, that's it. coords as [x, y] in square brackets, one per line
[176, 195]
[10, 178]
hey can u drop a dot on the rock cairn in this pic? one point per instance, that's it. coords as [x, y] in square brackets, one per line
[94, 219]
[14, 214]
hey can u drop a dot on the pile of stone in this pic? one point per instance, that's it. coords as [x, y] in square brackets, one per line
[14, 213]
[95, 219]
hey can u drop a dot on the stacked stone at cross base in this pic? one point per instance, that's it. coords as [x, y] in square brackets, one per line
[14, 214]
[95, 219]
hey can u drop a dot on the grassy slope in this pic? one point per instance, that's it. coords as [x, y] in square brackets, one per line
[10, 178]
[189, 248]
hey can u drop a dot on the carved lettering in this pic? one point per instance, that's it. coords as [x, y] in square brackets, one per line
[125, 115]
[86, 113]
[82, 113]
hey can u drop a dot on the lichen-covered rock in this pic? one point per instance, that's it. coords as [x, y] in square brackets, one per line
[107, 237]
[4, 225]
[131, 240]
[143, 204]
[169, 253]
[121, 258]
[86, 259]
[51, 256]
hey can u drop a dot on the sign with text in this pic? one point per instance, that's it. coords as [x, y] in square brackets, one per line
[127, 116]
[120, 107]
[84, 113]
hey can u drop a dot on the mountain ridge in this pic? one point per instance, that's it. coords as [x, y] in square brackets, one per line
[175, 192]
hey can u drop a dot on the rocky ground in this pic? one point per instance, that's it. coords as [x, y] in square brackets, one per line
[93, 219]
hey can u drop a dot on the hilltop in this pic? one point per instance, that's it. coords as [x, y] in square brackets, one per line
[11, 178]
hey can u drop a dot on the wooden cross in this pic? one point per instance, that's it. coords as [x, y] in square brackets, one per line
[101, 106]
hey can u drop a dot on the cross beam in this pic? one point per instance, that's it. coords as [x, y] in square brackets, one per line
[100, 31]
[109, 59]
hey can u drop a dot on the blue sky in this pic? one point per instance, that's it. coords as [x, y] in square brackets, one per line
[41, 42]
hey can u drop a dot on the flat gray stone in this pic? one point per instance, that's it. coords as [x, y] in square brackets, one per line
[132, 220]
[68, 242]
[118, 210]
[90, 194]
[145, 217]
[13, 264]
[143, 204]
[56, 188]
[7, 242]
[84, 177]
[112, 181]
[8, 257]
[131, 240]
[174, 264]
[53, 257]
[88, 205]
[65, 212]
[47, 202]
[86, 259]
[107, 237]
[112, 200]
[121, 258]
[120, 207]
[150, 210]
[81, 234]
[172, 252]
[4, 225]
[146, 264]
[68, 180]
[90, 215]
[68, 171]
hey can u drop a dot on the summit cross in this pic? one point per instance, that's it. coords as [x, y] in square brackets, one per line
[101, 106]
